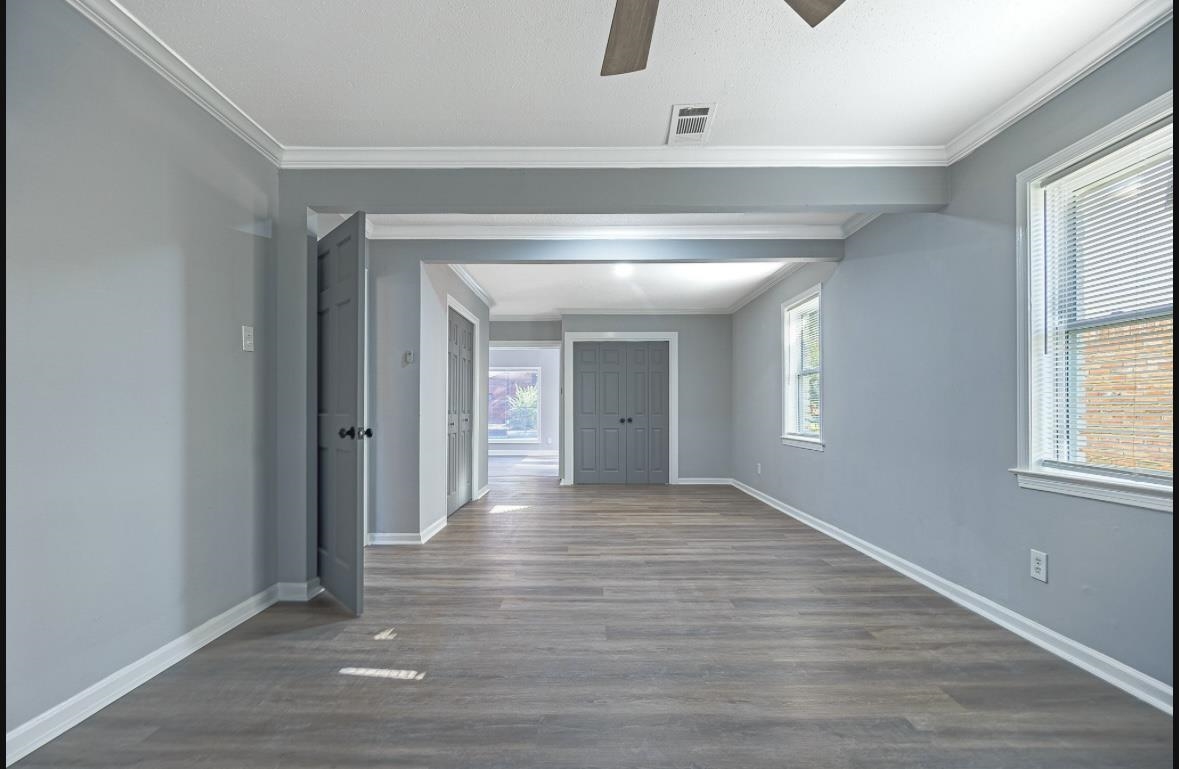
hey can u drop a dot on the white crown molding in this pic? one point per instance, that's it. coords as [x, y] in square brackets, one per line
[577, 311]
[1146, 688]
[1138, 23]
[121, 25]
[469, 279]
[541, 317]
[40, 729]
[489, 230]
[857, 223]
[128, 31]
[610, 157]
[780, 275]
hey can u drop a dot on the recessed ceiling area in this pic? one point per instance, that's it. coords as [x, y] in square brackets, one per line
[550, 290]
[525, 73]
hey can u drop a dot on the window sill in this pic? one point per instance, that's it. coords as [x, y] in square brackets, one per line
[810, 444]
[1152, 496]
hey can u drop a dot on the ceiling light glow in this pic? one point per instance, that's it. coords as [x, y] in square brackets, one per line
[624, 270]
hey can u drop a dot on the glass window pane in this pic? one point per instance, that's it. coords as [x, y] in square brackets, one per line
[513, 404]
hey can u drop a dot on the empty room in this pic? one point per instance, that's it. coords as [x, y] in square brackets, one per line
[611, 383]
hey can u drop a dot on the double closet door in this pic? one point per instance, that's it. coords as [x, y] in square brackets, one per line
[620, 412]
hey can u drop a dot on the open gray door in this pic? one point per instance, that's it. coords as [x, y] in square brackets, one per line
[341, 260]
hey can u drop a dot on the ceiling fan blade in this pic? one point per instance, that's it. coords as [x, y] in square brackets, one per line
[630, 36]
[814, 11]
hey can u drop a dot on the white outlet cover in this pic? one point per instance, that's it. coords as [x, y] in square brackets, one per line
[247, 338]
[1039, 566]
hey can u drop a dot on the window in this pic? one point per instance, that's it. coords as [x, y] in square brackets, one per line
[513, 405]
[802, 331]
[1100, 304]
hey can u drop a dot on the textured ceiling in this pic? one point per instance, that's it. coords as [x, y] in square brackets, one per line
[547, 290]
[453, 73]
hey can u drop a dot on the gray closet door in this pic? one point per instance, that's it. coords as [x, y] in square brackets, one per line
[658, 412]
[340, 266]
[620, 415]
[460, 400]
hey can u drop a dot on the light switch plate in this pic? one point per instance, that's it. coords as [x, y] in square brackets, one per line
[247, 338]
[1039, 566]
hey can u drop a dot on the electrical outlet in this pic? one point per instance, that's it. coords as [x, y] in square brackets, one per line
[1039, 566]
[247, 338]
[759, 468]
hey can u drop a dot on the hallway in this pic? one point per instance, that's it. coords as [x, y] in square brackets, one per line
[667, 626]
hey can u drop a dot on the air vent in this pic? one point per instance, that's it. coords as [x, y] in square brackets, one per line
[690, 123]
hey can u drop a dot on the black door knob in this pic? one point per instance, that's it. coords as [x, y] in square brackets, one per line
[629, 419]
[349, 433]
[368, 433]
[621, 421]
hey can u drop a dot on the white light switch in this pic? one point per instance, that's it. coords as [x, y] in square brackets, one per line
[1039, 565]
[247, 338]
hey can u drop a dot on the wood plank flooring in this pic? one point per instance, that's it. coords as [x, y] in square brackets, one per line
[664, 627]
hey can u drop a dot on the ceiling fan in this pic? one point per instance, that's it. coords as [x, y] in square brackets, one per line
[634, 23]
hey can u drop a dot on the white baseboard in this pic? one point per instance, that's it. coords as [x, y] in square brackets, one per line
[481, 493]
[704, 482]
[508, 452]
[411, 538]
[433, 529]
[299, 591]
[39, 730]
[375, 538]
[1135, 682]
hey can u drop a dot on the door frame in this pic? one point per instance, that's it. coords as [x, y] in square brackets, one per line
[673, 396]
[478, 484]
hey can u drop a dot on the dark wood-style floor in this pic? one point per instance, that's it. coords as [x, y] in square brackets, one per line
[622, 627]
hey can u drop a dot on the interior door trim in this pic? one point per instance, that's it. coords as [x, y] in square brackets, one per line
[478, 483]
[673, 395]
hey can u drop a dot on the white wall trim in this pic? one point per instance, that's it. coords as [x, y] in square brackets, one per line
[298, 591]
[128, 31]
[120, 24]
[388, 538]
[435, 527]
[1092, 486]
[857, 223]
[780, 275]
[39, 730]
[1135, 25]
[490, 230]
[611, 157]
[1135, 682]
[705, 482]
[673, 385]
[466, 277]
[481, 493]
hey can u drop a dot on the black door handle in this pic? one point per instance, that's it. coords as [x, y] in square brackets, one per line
[366, 433]
[349, 433]
[629, 419]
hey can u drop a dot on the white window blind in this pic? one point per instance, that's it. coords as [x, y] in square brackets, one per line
[1102, 283]
[803, 370]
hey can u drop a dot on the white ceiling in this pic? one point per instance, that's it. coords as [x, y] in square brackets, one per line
[524, 73]
[550, 290]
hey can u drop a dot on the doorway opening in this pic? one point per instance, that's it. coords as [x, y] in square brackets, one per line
[523, 410]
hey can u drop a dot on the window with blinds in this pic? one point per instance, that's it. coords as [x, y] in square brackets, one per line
[802, 331]
[1102, 312]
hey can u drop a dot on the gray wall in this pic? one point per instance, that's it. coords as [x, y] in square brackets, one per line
[705, 384]
[920, 410]
[525, 330]
[548, 360]
[138, 472]
[394, 281]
